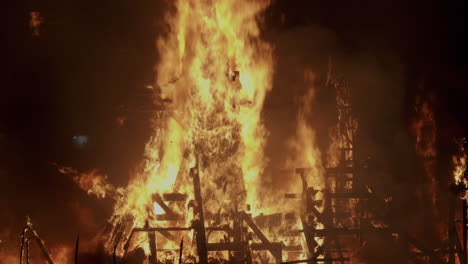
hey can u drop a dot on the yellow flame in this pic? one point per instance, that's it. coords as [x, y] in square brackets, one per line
[460, 167]
[216, 71]
[459, 163]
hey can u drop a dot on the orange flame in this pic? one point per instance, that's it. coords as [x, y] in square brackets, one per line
[216, 71]
[92, 182]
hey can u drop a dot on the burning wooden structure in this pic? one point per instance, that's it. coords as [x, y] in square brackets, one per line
[212, 79]
[343, 212]
[29, 235]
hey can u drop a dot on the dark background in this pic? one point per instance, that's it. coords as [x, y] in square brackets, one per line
[92, 60]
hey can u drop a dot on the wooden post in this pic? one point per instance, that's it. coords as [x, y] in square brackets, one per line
[153, 257]
[76, 248]
[199, 224]
[451, 228]
[465, 238]
[29, 227]
[181, 250]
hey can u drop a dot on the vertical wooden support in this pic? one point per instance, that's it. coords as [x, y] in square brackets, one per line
[27, 251]
[199, 224]
[238, 236]
[451, 228]
[153, 257]
[181, 249]
[25, 242]
[465, 238]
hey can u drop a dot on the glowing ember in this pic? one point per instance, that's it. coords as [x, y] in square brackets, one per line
[35, 22]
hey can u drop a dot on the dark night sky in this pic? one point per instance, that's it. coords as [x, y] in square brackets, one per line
[94, 57]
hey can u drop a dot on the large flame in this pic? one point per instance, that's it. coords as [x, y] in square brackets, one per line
[215, 71]
[213, 75]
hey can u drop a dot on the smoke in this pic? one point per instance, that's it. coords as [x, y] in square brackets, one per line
[384, 94]
[299, 50]
[377, 86]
